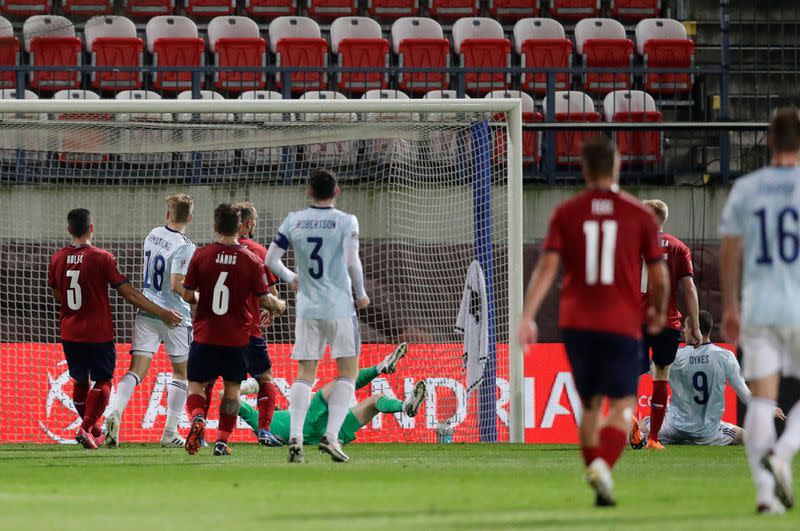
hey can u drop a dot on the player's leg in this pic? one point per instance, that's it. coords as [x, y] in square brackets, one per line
[177, 342]
[233, 369]
[664, 347]
[308, 348]
[259, 366]
[78, 366]
[202, 369]
[103, 358]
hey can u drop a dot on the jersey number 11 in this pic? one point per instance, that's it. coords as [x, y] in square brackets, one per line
[600, 255]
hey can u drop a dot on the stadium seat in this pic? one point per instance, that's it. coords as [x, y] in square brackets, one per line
[359, 43]
[270, 8]
[173, 42]
[542, 43]
[602, 44]
[51, 41]
[9, 54]
[298, 42]
[144, 136]
[572, 106]
[78, 147]
[210, 8]
[663, 43]
[480, 43]
[419, 43]
[452, 9]
[531, 145]
[235, 43]
[514, 9]
[112, 41]
[330, 154]
[149, 8]
[640, 147]
[393, 8]
[574, 9]
[85, 8]
[327, 9]
[635, 9]
[24, 8]
[212, 142]
[445, 145]
[269, 156]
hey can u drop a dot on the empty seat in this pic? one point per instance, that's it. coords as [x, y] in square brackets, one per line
[574, 9]
[663, 43]
[83, 8]
[531, 144]
[112, 41]
[149, 8]
[332, 8]
[210, 8]
[26, 7]
[480, 43]
[445, 146]
[450, 9]
[270, 8]
[141, 138]
[635, 9]
[359, 43]
[173, 42]
[235, 43]
[419, 43]
[641, 147]
[214, 146]
[602, 44]
[329, 154]
[9, 54]
[298, 42]
[266, 156]
[572, 106]
[51, 41]
[542, 43]
[393, 8]
[514, 9]
[78, 147]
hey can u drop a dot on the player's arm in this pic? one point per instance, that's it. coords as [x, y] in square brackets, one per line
[541, 280]
[692, 305]
[354, 268]
[135, 297]
[657, 295]
[260, 288]
[733, 374]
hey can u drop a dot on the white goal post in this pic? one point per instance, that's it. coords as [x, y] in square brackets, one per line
[436, 184]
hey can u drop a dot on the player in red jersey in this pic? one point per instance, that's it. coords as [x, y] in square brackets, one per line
[664, 345]
[79, 276]
[225, 275]
[600, 236]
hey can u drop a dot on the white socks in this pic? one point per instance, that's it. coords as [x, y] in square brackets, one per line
[759, 438]
[789, 442]
[176, 402]
[299, 399]
[125, 389]
[338, 406]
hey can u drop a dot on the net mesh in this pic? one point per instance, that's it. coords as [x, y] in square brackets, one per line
[429, 190]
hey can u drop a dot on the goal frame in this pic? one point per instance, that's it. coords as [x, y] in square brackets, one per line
[512, 107]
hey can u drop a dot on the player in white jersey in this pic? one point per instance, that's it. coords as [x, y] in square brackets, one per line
[329, 271]
[698, 379]
[760, 232]
[167, 252]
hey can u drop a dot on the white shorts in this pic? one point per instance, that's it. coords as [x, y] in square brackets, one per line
[724, 436]
[148, 333]
[770, 350]
[311, 336]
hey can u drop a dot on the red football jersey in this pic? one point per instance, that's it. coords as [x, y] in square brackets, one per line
[261, 252]
[226, 277]
[602, 236]
[679, 263]
[82, 273]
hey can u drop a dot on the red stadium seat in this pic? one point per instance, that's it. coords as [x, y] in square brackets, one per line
[638, 147]
[149, 8]
[26, 7]
[173, 41]
[635, 9]
[297, 42]
[480, 43]
[541, 43]
[572, 106]
[451, 9]
[112, 41]
[359, 43]
[574, 9]
[84, 8]
[9, 54]
[270, 8]
[531, 143]
[602, 44]
[210, 8]
[663, 44]
[393, 8]
[514, 9]
[79, 148]
[327, 9]
[51, 41]
[235, 42]
[420, 43]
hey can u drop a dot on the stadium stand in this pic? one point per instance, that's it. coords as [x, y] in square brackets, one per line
[270, 156]
[635, 147]
[144, 136]
[420, 43]
[330, 154]
[602, 43]
[149, 8]
[542, 43]
[112, 41]
[297, 42]
[270, 8]
[392, 9]
[571, 106]
[574, 9]
[480, 44]
[514, 9]
[210, 8]
[25, 7]
[453, 9]
[9, 54]
[662, 43]
[635, 9]
[208, 137]
[83, 8]
[173, 41]
[50, 41]
[531, 141]
[327, 9]
[76, 149]
[236, 43]
[358, 43]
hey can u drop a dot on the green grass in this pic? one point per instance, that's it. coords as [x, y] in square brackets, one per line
[384, 487]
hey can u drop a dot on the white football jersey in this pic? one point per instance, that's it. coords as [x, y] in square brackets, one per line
[319, 237]
[166, 252]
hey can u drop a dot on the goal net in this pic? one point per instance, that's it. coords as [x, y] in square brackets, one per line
[429, 181]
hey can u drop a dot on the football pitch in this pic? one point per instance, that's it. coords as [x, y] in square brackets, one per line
[384, 487]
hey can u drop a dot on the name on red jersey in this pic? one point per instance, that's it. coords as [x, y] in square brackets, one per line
[226, 259]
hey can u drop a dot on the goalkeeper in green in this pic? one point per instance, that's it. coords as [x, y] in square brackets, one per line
[357, 417]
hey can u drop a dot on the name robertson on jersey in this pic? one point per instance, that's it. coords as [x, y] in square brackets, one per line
[226, 259]
[316, 224]
[159, 242]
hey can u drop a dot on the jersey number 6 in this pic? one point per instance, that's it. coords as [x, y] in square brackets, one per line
[221, 296]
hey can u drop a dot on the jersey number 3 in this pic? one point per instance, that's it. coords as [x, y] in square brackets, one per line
[316, 272]
[600, 255]
[74, 294]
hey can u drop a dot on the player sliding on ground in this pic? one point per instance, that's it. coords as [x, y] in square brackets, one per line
[600, 237]
[329, 271]
[698, 379]
[357, 417]
[166, 253]
[79, 276]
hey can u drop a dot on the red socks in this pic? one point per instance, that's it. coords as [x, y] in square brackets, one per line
[195, 405]
[96, 403]
[612, 444]
[266, 404]
[658, 407]
[209, 394]
[589, 454]
[79, 392]
[227, 423]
